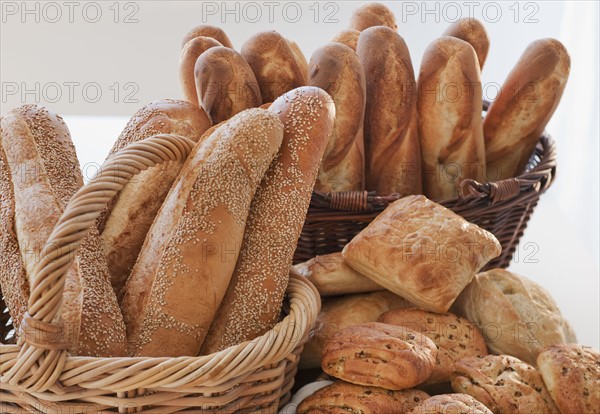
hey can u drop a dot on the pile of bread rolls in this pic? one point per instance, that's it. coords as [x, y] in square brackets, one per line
[394, 132]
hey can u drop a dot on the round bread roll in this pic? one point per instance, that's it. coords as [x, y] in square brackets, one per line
[522, 109]
[380, 355]
[225, 84]
[125, 222]
[252, 303]
[274, 64]
[300, 58]
[392, 148]
[450, 105]
[187, 260]
[337, 69]
[207, 30]
[40, 172]
[518, 316]
[187, 62]
[450, 404]
[455, 337]
[473, 32]
[505, 384]
[571, 373]
[372, 14]
[348, 37]
[346, 397]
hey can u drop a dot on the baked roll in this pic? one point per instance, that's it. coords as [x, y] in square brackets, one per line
[372, 14]
[450, 403]
[187, 62]
[473, 32]
[348, 37]
[300, 58]
[421, 251]
[206, 30]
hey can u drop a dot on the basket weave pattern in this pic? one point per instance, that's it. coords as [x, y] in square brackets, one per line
[38, 374]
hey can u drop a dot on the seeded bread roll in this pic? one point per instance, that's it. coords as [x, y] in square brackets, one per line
[392, 148]
[127, 219]
[473, 32]
[207, 30]
[189, 255]
[187, 62]
[300, 58]
[450, 126]
[274, 64]
[348, 37]
[40, 161]
[522, 109]
[337, 69]
[372, 14]
[252, 304]
[225, 84]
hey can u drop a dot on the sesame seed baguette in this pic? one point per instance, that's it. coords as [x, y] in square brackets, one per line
[252, 304]
[207, 30]
[44, 174]
[189, 255]
[127, 219]
[187, 61]
[336, 69]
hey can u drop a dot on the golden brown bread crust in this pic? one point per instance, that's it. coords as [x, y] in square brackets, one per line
[524, 313]
[392, 148]
[300, 58]
[252, 304]
[332, 276]
[473, 32]
[450, 404]
[187, 260]
[380, 355]
[450, 126]
[421, 251]
[274, 64]
[127, 219]
[348, 37]
[372, 14]
[225, 84]
[207, 30]
[344, 397]
[187, 62]
[336, 69]
[455, 337]
[525, 104]
[505, 384]
[571, 373]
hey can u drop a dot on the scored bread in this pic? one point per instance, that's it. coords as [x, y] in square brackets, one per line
[207, 30]
[473, 32]
[372, 14]
[348, 37]
[187, 62]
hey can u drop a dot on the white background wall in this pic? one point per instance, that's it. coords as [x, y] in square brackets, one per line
[98, 62]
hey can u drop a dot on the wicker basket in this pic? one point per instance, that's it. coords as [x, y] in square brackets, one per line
[39, 375]
[501, 207]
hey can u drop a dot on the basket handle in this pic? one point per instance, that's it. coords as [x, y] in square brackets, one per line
[44, 350]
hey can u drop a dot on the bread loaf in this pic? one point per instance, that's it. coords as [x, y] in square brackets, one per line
[450, 126]
[40, 161]
[300, 58]
[336, 69]
[393, 152]
[372, 14]
[348, 37]
[252, 304]
[225, 83]
[207, 30]
[522, 109]
[187, 62]
[189, 255]
[473, 32]
[127, 219]
[274, 64]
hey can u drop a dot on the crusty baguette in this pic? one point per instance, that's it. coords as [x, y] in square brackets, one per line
[473, 32]
[127, 219]
[207, 30]
[187, 62]
[522, 109]
[348, 37]
[336, 69]
[225, 83]
[300, 58]
[44, 174]
[450, 125]
[274, 64]
[393, 153]
[372, 14]
[252, 304]
[189, 255]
